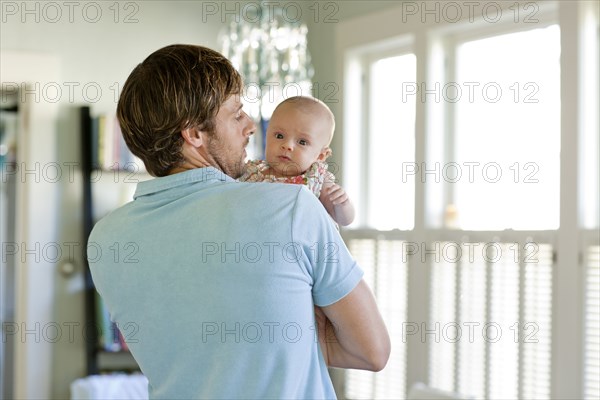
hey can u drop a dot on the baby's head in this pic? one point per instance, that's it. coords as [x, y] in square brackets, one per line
[299, 134]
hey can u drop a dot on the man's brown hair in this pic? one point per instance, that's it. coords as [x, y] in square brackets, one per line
[175, 88]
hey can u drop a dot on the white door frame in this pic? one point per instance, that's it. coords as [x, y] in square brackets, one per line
[36, 224]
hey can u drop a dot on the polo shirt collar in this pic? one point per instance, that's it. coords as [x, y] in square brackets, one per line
[207, 174]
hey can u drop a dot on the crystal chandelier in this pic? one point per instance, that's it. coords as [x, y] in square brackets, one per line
[269, 49]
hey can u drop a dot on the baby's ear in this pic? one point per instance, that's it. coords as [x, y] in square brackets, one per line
[325, 153]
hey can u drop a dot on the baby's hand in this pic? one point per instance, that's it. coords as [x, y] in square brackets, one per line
[337, 203]
[336, 194]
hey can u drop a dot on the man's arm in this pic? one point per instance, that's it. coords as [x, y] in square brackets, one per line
[352, 333]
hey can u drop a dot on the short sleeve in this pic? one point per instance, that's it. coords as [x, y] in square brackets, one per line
[322, 252]
[315, 177]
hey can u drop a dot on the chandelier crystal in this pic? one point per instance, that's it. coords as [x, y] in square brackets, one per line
[269, 48]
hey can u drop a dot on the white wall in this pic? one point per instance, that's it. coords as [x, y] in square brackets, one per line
[34, 274]
[104, 51]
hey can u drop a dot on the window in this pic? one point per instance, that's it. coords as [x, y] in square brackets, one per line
[383, 138]
[487, 166]
[498, 176]
[507, 131]
[391, 142]
[590, 203]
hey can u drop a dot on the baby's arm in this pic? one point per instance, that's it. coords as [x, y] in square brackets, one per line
[337, 203]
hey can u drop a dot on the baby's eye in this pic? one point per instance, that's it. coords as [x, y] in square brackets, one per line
[302, 142]
[239, 115]
[278, 136]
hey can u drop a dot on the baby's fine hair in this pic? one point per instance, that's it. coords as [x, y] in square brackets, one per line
[308, 104]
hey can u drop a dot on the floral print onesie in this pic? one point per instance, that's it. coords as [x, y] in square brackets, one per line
[313, 178]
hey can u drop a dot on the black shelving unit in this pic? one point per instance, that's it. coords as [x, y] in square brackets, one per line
[97, 359]
[91, 344]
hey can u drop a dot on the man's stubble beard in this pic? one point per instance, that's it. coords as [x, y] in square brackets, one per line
[224, 157]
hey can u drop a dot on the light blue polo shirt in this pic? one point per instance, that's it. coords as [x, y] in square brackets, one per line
[213, 282]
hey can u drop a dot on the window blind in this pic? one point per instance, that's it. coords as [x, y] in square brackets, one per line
[493, 308]
[535, 331]
[386, 273]
[592, 324]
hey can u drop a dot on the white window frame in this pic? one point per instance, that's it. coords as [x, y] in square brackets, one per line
[568, 278]
[357, 63]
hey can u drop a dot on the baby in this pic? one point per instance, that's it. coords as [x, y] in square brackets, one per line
[298, 138]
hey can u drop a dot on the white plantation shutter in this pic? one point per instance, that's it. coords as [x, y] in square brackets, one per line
[442, 354]
[360, 384]
[472, 313]
[499, 300]
[504, 313]
[592, 324]
[391, 292]
[536, 326]
[386, 273]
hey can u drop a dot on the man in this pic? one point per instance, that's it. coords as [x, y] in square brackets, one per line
[224, 278]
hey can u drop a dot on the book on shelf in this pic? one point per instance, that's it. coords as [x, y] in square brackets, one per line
[109, 151]
[110, 337]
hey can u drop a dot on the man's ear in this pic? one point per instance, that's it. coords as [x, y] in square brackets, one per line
[325, 153]
[192, 136]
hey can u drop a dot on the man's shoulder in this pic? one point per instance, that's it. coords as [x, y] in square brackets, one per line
[106, 226]
[268, 192]
[268, 188]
